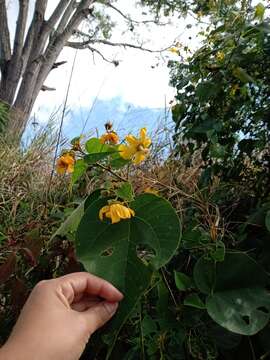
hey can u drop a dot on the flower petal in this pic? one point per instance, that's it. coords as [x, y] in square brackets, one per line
[126, 152]
[114, 214]
[143, 132]
[132, 140]
[102, 211]
[139, 157]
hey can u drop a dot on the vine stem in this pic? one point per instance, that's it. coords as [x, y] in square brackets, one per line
[168, 286]
[141, 335]
[251, 349]
[110, 171]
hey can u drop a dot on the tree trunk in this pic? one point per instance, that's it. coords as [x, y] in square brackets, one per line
[23, 73]
[17, 123]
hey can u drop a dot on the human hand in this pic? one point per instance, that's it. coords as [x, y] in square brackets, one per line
[59, 317]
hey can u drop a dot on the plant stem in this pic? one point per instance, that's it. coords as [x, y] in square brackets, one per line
[168, 286]
[110, 171]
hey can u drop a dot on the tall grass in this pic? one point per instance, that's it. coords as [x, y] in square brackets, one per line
[25, 174]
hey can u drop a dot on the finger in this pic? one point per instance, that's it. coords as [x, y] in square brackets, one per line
[77, 283]
[99, 315]
[84, 304]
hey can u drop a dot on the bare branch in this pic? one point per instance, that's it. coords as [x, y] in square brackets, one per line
[20, 31]
[5, 48]
[132, 21]
[58, 42]
[126, 45]
[66, 16]
[58, 12]
[57, 64]
[81, 46]
[33, 32]
[47, 88]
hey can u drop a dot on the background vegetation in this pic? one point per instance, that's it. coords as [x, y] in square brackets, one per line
[211, 300]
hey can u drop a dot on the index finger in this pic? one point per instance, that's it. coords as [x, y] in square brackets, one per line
[76, 284]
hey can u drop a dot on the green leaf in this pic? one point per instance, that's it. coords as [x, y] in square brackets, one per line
[80, 168]
[242, 311]
[238, 299]
[161, 216]
[95, 157]
[207, 91]
[76, 140]
[194, 300]
[242, 75]
[204, 275]
[182, 281]
[95, 195]
[70, 225]
[219, 253]
[259, 11]
[110, 250]
[267, 220]
[125, 192]
[217, 151]
[117, 162]
[94, 146]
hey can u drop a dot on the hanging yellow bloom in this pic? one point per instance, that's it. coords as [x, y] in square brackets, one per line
[234, 89]
[220, 56]
[109, 138]
[137, 148]
[174, 50]
[65, 164]
[116, 212]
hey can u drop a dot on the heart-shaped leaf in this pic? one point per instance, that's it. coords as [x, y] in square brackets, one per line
[111, 250]
[238, 299]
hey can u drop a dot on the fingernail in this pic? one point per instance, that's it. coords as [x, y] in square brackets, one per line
[111, 307]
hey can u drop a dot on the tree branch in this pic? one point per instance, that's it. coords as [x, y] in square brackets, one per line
[58, 11]
[47, 88]
[81, 46]
[20, 32]
[139, 47]
[126, 17]
[58, 41]
[66, 16]
[5, 48]
[86, 43]
[29, 53]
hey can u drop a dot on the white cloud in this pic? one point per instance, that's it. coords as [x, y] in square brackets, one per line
[137, 80]
[134, 79]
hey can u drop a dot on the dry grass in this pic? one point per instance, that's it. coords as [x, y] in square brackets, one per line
[24, 178]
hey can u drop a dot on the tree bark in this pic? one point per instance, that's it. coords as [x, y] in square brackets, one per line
[40, 52]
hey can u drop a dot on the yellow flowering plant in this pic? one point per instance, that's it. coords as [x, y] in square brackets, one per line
[115, 221]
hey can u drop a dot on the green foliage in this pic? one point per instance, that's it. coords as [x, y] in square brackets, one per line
[238, 300]
[115, 251]
[223, 98]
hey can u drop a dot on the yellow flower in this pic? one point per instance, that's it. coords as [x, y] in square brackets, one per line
[137, 148]
[109, 138]
[234, 89]
[65, 164]
[174, 50]
[116, 212]
[220, 56]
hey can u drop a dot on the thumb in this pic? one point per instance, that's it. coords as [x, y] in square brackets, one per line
[99, 314]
